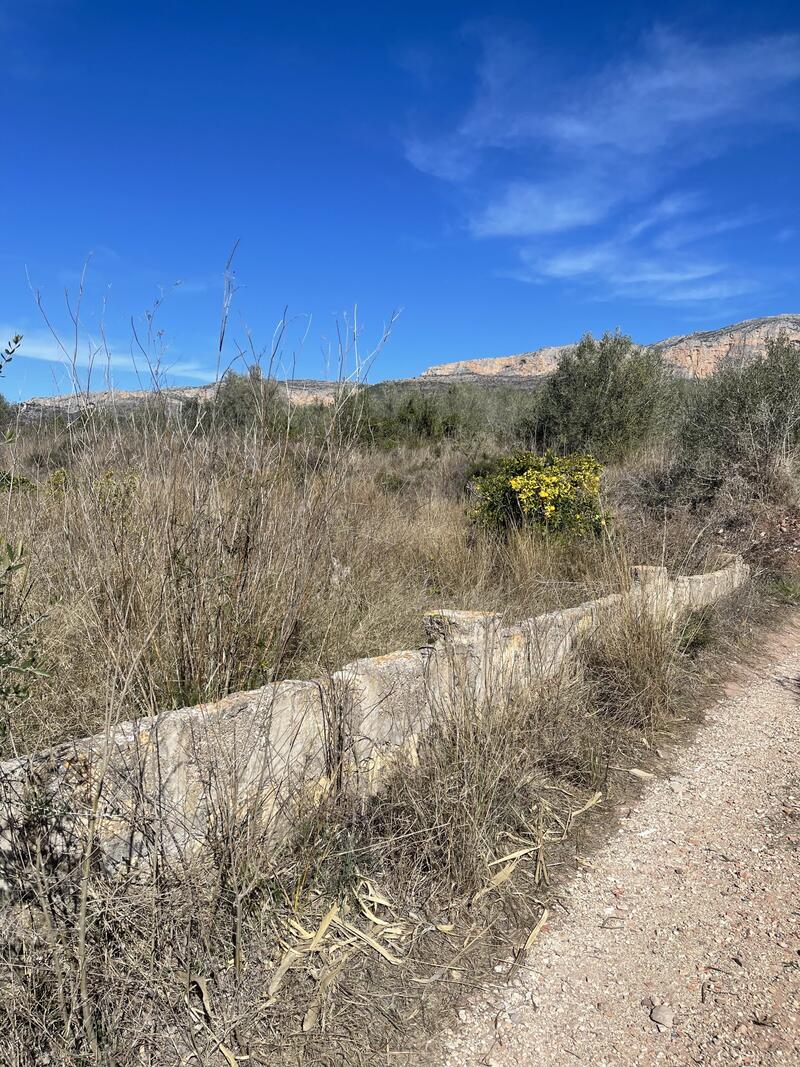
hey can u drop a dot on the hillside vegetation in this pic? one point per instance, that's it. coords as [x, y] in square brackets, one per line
[165, 559]
[161, 557]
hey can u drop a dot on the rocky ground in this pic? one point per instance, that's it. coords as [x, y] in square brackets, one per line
[681, 943]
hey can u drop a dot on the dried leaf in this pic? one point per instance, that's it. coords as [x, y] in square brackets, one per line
[536, 930]
[516, 855]
[497, 880]
[520, 956]
[290, 956]
[322, 929]
[394, 933]
[300, 930]
[374, 896]
[373, 944]
[373, 918]
[311, 1016]
[202, 985]
[193, 979]
[590, 803]
[229, 1056]
[331, 972]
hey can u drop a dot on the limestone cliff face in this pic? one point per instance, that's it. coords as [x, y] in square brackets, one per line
[695, 354]
[525, 365]
[698, 354]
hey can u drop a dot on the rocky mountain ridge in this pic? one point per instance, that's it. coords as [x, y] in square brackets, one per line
[300, 391]
[698, 354]
[694, 354]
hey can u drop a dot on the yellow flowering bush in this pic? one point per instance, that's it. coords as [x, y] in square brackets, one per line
[558, 493]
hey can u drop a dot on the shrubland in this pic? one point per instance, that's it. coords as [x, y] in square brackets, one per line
[607, 397]
[164, 557]
[159, 567]
[743, 424]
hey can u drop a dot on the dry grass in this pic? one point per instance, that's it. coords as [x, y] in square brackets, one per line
[165, 566]
[204, 958]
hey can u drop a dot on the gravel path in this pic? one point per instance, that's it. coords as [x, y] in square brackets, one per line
[682, 945]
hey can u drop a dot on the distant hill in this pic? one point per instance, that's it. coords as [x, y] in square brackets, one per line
[525, 365]
[301, 391]
[692, 354]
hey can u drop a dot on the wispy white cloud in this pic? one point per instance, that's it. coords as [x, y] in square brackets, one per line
[552, 159]
[446, 159]
[639, 106]
[618, 268]
[675, 87]
[524, 209]
[690, 232]
[41, 345]
[712, 292]
[663, 211]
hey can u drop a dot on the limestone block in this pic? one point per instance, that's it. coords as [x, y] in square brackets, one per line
[160, 782]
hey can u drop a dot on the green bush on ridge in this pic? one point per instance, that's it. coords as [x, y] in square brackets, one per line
[743, 421]
[607, 397]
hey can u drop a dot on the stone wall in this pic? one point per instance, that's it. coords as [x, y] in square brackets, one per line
[161, 782]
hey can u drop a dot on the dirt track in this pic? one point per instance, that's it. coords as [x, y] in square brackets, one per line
[682, 945]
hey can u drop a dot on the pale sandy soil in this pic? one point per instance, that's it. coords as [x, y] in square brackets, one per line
[682, 945]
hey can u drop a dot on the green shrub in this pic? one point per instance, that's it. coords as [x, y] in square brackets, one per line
[8, 414]
[606, 397]
[557, 493]
[743, 422]
[11, 482]
[241, 402]
[398, 413]
[784, 588]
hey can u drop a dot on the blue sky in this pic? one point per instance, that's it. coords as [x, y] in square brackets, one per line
[509, 180]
